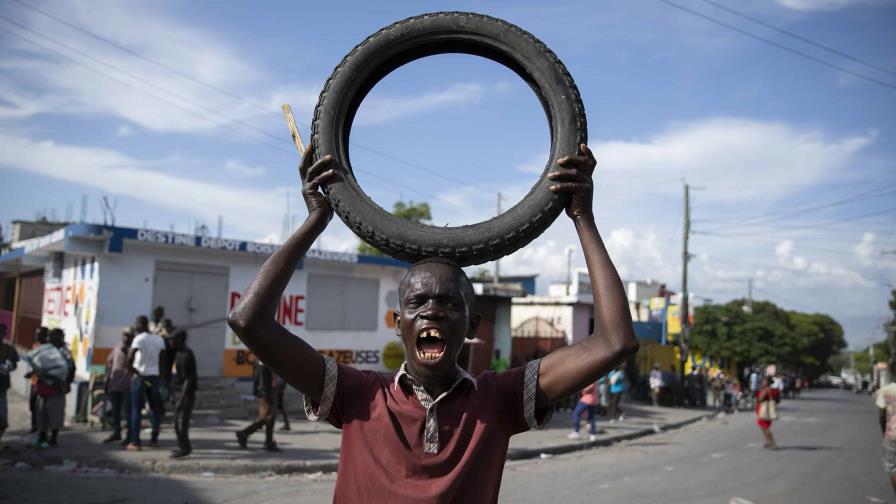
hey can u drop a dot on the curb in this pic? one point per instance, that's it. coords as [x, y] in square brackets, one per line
[244, 467]
[529, 453]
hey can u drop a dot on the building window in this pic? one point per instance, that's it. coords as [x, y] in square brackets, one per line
[342, 303]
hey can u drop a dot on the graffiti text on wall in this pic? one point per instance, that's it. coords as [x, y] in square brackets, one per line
[290, 311]
[208, 242]
[353, 356]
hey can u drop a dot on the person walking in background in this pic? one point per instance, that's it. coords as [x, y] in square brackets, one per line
[588, 402]
[727, 394]
[50, 370]
[617, 387]
[767, 399]
[9, 360]
[143, 358]
[185, 382]
[41, 337]
[166, 361]
[603, 396]
[715, 389]
[263, 384]
[700, 384]
[154, 324]
[886, 407]
[57, 339]
[281, 404]
[118, 384]
[670, 378]
[656, 384]
[754, 386]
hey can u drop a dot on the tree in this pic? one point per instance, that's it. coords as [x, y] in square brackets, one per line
[415, 212]
[797, 341]
[482, 274]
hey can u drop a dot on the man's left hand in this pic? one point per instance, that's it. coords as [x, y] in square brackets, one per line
[574, 176]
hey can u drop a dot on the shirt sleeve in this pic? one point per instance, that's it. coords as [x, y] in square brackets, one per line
[316, 411]
[520, 387]
[347, 393]
[881, 401]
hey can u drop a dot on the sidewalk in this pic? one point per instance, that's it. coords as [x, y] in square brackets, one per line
[309, 447]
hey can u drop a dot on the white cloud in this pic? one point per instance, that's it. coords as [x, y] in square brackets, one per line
[243, 170]
[865, 248]
[380, 109]
[813, 273]
[110, 82]
[728, 155]
[825, 5]
[124, 130]
[117, 173]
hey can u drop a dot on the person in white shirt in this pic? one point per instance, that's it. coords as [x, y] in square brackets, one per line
[656, 384]
[143, 358]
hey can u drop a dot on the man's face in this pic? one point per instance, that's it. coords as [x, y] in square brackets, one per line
[434, 320]
[157, 314]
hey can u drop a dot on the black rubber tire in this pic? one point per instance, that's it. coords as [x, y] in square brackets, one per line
[438, 33]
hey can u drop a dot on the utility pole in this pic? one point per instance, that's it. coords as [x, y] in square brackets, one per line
[569, 250]
[498, 261]
[750, 295]
[685, 257]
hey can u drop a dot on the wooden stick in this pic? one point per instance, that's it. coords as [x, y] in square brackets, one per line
[296, 137]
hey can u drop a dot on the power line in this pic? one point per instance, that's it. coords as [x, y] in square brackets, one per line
[228, 125]
[780, 46]
[778, 215]
[742, 218]
[761, 239]
[795, 36]
[142, 57]
[821, 239]
[232, 95]
[132, 76]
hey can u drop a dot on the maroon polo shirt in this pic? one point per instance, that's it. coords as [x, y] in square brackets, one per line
[384, 456]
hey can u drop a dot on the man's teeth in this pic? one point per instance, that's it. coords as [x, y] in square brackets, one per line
[432, 333]
[429, 355]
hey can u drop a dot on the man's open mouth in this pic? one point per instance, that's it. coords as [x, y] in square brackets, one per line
[430, 345]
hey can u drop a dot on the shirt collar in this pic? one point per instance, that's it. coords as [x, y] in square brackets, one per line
[462, 374]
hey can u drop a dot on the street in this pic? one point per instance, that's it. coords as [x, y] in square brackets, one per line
[830, 453]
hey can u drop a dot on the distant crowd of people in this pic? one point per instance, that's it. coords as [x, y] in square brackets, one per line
[762, 389]
[151, 368]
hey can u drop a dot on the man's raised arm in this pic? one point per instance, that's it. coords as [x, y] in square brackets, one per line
[569, 369]
[253, 319]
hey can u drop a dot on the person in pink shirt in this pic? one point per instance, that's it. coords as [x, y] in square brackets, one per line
[588, 402]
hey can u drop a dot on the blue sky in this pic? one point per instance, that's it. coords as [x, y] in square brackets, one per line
[179, 119]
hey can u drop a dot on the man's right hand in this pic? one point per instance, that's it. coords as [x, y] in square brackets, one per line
[315, 175]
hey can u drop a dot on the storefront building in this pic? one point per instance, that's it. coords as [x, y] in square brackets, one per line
[92, 280]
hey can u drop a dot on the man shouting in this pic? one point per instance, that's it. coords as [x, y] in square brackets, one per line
[431, 432]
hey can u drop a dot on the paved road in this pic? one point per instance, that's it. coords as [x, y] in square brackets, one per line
[830, 454]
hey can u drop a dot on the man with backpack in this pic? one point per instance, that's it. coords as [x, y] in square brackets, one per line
[53, 371]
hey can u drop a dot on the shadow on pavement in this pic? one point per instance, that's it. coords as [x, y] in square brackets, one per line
[808, 448]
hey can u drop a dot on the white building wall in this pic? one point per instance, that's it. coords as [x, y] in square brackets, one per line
[126, 291]
[581, 318]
